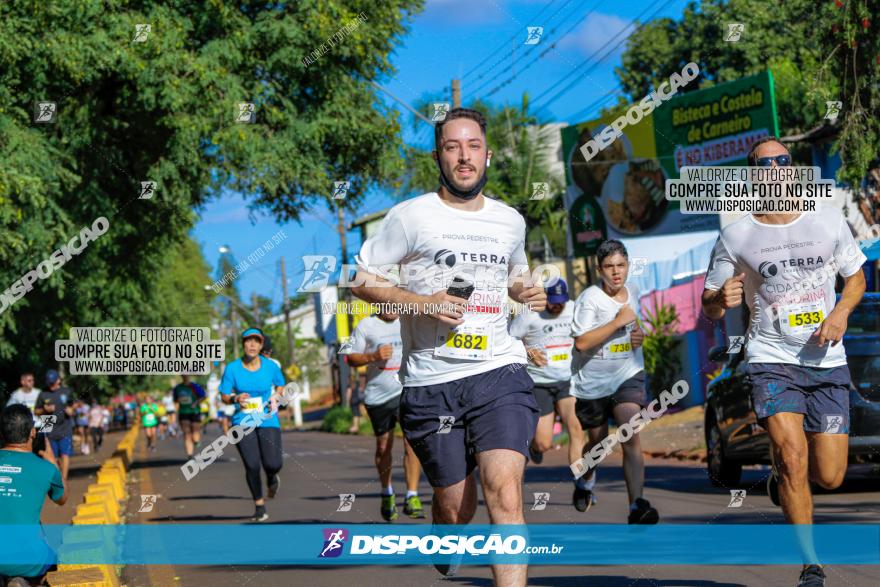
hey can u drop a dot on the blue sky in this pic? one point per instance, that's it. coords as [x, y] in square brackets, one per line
[482, 42]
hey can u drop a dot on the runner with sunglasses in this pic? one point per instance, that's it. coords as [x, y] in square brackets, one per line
[796, 364]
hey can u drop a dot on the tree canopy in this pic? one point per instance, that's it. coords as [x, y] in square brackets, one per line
[818, 52]
[163, 105]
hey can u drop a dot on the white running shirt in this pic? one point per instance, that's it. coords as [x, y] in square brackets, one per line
[383, 384]
[433, 243]
[20, 396]
[789, 285]
[552, 334]
[598, 372]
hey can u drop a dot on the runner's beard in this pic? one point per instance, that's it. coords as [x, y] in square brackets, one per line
[459, 193]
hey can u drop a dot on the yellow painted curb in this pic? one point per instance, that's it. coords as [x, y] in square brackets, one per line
[97, 509]
[81, 520]
[103, 489]
[114, 481]
[84, 576]
[108, 572]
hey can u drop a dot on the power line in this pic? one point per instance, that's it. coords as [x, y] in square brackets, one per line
[501, 60]
[533, 61]
[402, 103]
[587, 60]
[504, 45]
[601, 102]
[579, 79]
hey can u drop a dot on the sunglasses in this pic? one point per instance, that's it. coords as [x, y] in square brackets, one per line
[781, 160]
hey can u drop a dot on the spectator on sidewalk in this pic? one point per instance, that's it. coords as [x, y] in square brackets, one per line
[96, 425]
[27, 394]
[27, 480]
[58, 401]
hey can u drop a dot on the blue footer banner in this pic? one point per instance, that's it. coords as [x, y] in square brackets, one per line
[386, 544]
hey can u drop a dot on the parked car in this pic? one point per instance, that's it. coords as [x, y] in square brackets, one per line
[733, 436]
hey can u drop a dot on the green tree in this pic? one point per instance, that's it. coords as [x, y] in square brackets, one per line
[166, 110]
[817, 51]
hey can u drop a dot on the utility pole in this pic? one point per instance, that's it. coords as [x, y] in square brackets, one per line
[456, 93]
[287, 312]
[256, 309]
[234, 320]
[346, 296]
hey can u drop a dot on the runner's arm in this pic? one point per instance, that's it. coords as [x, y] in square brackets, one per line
[595, 337]
[361, 359]
[834, 326]
[521, 285]
[57, 488]
[718, 292]
[357, 354]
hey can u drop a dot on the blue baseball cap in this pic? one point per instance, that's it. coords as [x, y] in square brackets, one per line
[52, 376]
[557, 293]
[253, 332]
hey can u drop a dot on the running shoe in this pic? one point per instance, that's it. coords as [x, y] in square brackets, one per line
[448, 569]
[413, 507]
[773, 487]
[583, 499]
[389, 508]
[18, 582]
[274, 484]
[644, 513]
[535, 456]
[260, 514]
[812, 576]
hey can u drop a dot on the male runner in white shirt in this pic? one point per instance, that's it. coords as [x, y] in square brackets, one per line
[608, 374]
[796, 365]
[467, 398]
[376, 343]
[547, 336]
[27, 394]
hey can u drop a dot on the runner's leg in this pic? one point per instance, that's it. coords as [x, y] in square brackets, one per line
[501, 475]
[633, 460]
[789, 445]
[594, 436]
[270, 451]
[188, 427]
[828, 458]
[412, 468]
[196, 432]
[384, 444]
[565, 408]
[249, 450]
[544, 433]
[455, 504]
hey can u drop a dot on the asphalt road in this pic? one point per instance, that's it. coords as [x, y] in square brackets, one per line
[319, 466]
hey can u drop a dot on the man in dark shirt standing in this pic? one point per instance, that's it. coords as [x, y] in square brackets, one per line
[58, 401]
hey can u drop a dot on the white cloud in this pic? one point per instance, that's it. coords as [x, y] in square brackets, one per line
[595, 34]
[466, 12]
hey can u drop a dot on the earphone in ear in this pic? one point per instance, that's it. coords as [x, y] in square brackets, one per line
[488, 161]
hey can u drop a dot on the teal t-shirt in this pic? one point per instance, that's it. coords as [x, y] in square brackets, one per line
[25, 481]
[258, 384]
[187, 398]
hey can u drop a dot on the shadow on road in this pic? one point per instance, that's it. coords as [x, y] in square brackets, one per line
[202, 497]
[81, 471]
[203, 518]
[600, 581]
[157, 463]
